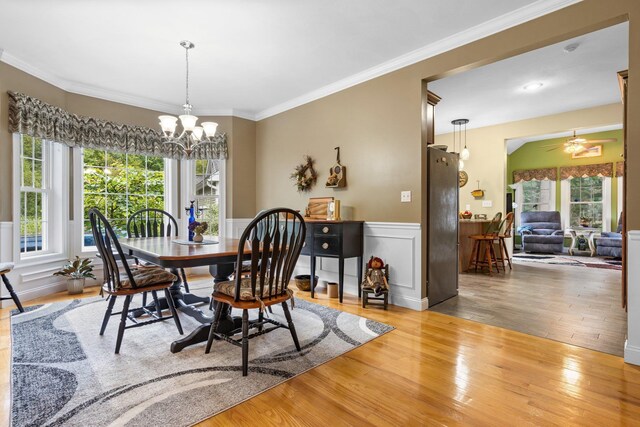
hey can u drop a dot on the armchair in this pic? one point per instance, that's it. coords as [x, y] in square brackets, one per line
[610, 243]
[541, 231]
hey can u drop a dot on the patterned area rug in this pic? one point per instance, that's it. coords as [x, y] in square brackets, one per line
[577, 261]
[64, 373]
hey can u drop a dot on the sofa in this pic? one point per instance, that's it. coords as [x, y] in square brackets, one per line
[541, 231]
[610, 243]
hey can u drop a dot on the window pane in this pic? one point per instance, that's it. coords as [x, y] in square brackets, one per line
[117, 206]
[94, 180]
[27, 173]
[27, 146]
[156, 202]
[37, 174]
[94, 157]
[116, 180]
[116, 160]
[155, 182]
[136, 161]
[94, 201]
[137, 202]
[155, 163]
[37, 149]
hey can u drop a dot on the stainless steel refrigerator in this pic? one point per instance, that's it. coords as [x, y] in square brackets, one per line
[442, 225]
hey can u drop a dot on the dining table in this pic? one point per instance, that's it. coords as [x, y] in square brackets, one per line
[219, 254]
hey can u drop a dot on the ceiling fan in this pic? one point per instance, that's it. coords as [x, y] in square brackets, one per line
[576, 144]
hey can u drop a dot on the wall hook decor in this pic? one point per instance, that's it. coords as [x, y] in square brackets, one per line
[478, 193]
[304, 175]
[337, 173]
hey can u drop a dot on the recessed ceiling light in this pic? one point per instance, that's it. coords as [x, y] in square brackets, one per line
[532, 86]
[571, 47]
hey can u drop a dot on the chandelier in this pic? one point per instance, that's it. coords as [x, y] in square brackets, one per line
[457, 127]
[572, 147]
[192, 135]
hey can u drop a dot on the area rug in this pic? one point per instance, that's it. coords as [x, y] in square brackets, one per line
[577, 261]
[64, 373]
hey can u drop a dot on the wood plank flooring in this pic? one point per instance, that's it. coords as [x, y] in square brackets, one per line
[433, 369]
[574, 305]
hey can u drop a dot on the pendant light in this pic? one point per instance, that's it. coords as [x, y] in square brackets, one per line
[457, 128]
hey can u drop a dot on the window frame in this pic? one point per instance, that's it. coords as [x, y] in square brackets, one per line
[55, 167]
[565, 188]
[78, 191]
[188, 174]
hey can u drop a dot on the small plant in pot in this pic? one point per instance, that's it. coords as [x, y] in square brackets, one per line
[76, 271]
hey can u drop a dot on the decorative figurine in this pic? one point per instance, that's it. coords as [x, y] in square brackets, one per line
[376, 277]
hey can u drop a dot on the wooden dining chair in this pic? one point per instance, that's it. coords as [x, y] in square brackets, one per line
[484, 243]
[134, 281]
[505, 233]
[275, 239]
[154, 223]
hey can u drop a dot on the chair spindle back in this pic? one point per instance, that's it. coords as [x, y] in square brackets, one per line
[275, 238]
[108, 246]
[494, 226]
[151, 223]
[507, 225]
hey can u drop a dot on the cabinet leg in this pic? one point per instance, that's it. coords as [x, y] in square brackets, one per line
[313, 274]
[341, 277]
[359, 276]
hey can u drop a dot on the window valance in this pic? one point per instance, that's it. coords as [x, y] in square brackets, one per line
[31, 116]
[600, 169]
[535, 174]
[620, 169]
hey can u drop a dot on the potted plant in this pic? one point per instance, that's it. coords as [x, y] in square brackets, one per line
[77, 272]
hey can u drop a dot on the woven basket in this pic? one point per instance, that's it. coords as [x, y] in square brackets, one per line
[303, 282]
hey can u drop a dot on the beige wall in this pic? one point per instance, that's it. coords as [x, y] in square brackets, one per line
[377, 123]
[488, 161]
[241, 195]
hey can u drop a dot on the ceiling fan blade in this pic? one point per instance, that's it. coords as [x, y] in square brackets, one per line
[592, 141]
[550, 145]
[551, 149]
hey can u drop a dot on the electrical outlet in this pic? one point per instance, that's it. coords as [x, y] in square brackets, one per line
[405, 196]
[487, 203]
[467, 207]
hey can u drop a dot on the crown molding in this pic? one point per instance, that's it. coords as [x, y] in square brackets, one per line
[493, 26]
[111, 95]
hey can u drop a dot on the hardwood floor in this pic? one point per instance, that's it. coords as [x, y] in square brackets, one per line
[434, 369]
[574, 305]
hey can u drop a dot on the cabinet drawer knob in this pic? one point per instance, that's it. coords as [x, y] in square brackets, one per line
[325, 246]
[325, 230]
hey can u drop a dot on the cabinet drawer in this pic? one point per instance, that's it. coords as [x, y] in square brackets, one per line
[327, 229]
[327, 245]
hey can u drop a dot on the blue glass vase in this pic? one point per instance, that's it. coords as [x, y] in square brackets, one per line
[192, 218]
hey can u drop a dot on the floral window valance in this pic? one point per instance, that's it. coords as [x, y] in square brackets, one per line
[600, 169]
[620, 169]
[31, 116]
[535, 174]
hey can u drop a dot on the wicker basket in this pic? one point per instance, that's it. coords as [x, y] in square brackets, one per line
[303, 282]
[466, 216]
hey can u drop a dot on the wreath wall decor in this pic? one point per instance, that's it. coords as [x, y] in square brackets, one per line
[304, 175]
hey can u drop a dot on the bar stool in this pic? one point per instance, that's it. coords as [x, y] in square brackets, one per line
[486, 241]
[504, 253]
[6, 267]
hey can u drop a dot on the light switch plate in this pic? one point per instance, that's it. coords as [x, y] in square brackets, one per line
[467, 207]
[405, 196]
[487, 203]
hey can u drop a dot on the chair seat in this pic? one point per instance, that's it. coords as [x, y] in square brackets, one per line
[227, 299]
[146, 276]
[541, 238]
[229, 288]
[5, 267]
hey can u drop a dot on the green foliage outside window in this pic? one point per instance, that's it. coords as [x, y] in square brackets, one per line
[120, 184]
[586, 202]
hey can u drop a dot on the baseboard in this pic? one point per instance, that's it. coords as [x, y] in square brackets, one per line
[631, 353]
[409, 302]
[33, 293]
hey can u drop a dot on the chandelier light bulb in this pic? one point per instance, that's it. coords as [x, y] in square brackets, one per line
[210, 128]
[460, 164]
[168, 125]
[464, 154]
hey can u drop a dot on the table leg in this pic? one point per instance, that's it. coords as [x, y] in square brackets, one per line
[574, 239]
[360, 276]
[312, 262]
[220, 272]
[340, 277]
[592, 245]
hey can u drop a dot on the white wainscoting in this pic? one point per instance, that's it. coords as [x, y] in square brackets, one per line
[34, 278]
[632, 345]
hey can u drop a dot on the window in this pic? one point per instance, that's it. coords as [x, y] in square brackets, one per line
[34, 195]
[120, 184]
[586, 203]
[207, 189]
[537, 196]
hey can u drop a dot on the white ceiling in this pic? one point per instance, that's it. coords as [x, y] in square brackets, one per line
[494, 93]
[252, 58]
